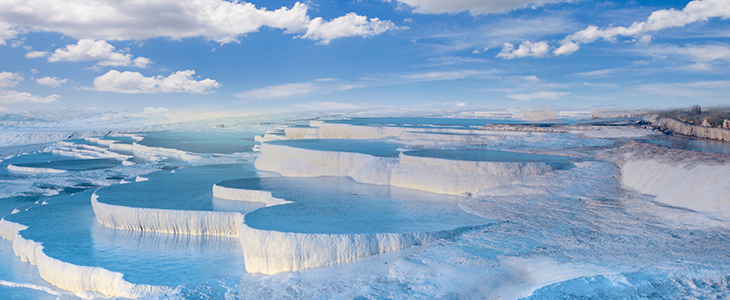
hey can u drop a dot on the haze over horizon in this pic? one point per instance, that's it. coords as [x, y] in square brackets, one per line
[259, 56]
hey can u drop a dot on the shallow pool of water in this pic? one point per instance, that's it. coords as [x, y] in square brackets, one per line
[487, 155]
[370, 147]
[340, 205]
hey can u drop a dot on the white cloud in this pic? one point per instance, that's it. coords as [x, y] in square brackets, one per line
[702, 56]
[36, 54]
[480, 51]
[3, 109]
[601, 84]
[526, 48]
[695, 11]
[698, 90]
[7, 32]
[435, 76]
[474, 7]
[345, 26]
[325, 106]
[9, 79]
[596, 73]
[217, 20]
[547, 95]
[51, 81]
[136, 83]
[10, 96]
[319, 86]
[101, 51]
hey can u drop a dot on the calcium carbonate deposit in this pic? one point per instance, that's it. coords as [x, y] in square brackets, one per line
[317, 207]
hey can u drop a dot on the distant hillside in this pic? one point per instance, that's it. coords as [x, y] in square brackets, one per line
[715, 116]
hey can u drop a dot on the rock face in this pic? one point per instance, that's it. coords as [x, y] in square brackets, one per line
[726, 124]
[691, 130]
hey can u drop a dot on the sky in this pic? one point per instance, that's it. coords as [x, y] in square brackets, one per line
[256, 56]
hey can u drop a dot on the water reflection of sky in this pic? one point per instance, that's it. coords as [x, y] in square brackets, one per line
[693, 144]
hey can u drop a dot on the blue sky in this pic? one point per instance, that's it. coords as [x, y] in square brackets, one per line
[214, 55]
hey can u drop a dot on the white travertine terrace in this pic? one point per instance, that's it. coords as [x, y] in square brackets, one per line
[271, 252]
[692, 184]
[73, 277]
[32, 170]
[445, 176]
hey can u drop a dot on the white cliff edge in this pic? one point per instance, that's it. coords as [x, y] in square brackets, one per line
[166, 220]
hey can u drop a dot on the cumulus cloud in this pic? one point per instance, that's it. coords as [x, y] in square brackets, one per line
[91, 50]
[695, 11]
[10, 96]
[51, 81]
[136, 83]
[7, 33]
[546, 95]
[216, 20]
[319, 86]
[36, 54]
[526, 48]
[348, 25]
[9, 79]
[474, 7]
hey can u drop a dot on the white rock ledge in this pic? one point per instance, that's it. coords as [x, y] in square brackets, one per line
[298, 162]
[167, 220]
[444, 176]
[271, 252]
[246, 195]
[31, 170]
[458, 177]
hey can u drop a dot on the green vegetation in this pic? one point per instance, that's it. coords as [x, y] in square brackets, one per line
[695, 115]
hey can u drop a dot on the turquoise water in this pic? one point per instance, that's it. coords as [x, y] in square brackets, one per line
[340, 205]
[692, 144]
[487, 155]
[201, 141]
[370, 147]
[74, 164]
[69, 232]
[189, 188]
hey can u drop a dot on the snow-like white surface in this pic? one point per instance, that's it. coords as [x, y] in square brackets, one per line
[458, 177]
[153, 153]
[695, 185]
[271, 252]
[86, 151]
[166, 220]
[246, 195]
